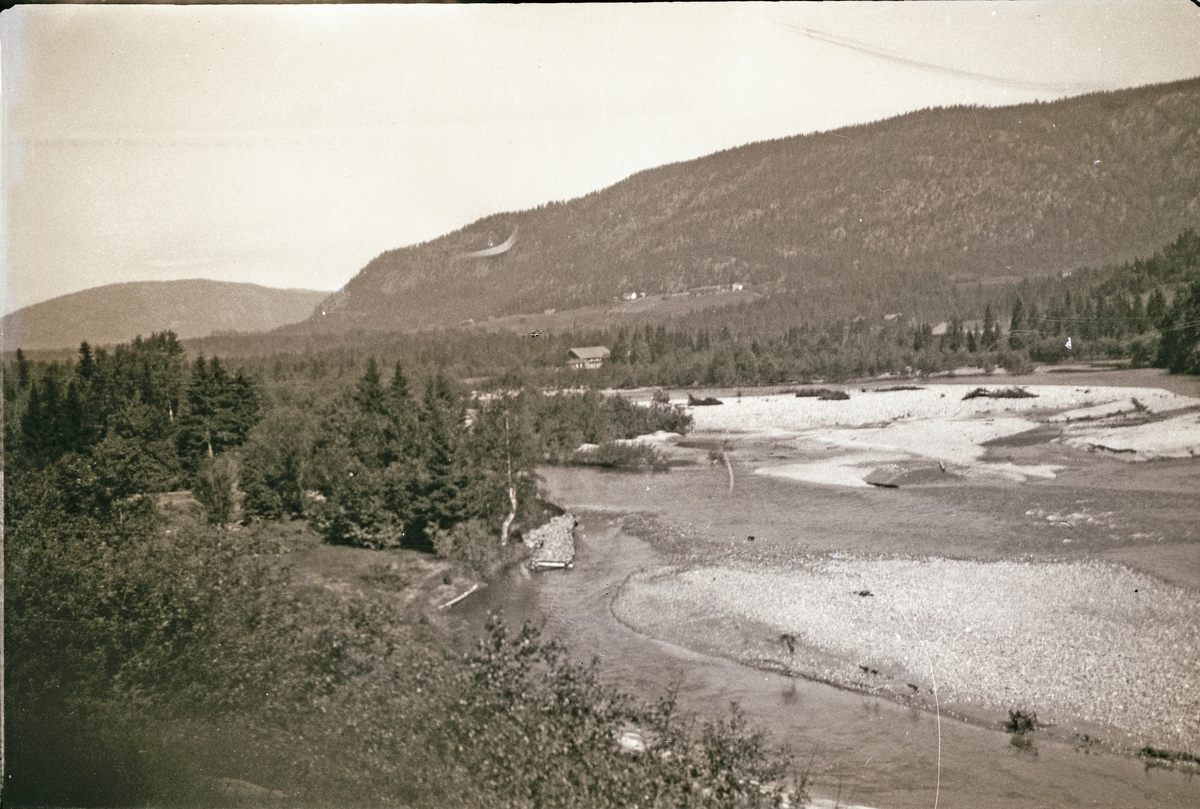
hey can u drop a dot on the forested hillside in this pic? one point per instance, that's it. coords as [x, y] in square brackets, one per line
[879, 214]
[1144, 311]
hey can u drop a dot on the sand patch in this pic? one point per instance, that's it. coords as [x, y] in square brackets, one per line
[1177, 437]
[935, 425]
[1089, 641]
[832, 472]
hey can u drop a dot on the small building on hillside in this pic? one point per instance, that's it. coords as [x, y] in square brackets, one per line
[587, 357]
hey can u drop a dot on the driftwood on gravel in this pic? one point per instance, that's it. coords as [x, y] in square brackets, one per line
[1000, 393]
[822, 394]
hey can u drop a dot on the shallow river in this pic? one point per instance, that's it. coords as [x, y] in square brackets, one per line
[863, 750]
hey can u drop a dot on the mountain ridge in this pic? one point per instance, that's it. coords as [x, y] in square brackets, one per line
[116, 313]
[1021, 191]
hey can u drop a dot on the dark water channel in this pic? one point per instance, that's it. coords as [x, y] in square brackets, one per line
[864, 750]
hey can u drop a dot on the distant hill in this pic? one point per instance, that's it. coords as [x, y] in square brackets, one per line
[119, 312]
[868, 212]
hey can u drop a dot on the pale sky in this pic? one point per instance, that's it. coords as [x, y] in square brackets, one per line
[287, 146]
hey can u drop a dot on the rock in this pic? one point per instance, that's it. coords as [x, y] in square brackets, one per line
[631, 741]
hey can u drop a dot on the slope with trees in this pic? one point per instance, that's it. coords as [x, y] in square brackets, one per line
[895, 207]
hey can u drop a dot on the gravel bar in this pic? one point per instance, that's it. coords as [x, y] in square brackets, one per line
[1090, 642]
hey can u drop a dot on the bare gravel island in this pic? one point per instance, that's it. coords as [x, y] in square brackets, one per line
[947, 425]
[1089, 636]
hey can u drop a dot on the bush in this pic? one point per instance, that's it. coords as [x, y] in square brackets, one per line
[115, 629]
[634, 457]
[564, 422]
[1015, 362]
[1049, 349]
[1143, 351]
[475, 548]
[213, 489]
[822, 394]
[148, 667]
[527, 726]
[1020, 722]
[1000, 393]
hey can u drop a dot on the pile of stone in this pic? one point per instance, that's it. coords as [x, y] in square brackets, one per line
[552, 545]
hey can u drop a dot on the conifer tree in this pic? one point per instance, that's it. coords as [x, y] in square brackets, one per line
[1016, 325]
[220, 410]
[1179, 344]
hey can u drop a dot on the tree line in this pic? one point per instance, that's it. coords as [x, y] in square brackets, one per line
[110, 425]
[1136, 312]
[401, 464]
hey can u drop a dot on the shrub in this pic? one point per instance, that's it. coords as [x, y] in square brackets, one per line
[475, 548]
[528, 726]
[634, 457]
[1020, 722]
[1143, 350]
[1000, 393]
[823, 394]
[213, 489]
[564, 422]
[1015, 362]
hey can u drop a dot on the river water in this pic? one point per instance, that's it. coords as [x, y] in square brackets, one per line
[863, 750]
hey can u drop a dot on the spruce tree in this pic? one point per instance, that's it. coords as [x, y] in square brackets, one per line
[219, 412]
[1179, 344]
[1016, 325]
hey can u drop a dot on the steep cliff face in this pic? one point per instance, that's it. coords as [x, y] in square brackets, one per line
[1015, 191]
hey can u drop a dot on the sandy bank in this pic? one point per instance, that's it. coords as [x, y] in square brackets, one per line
[1177, 437]
[1084, 642]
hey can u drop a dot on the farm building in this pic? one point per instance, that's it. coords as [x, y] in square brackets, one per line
[587, 357]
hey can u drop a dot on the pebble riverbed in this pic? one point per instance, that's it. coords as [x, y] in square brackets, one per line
[1085, 641]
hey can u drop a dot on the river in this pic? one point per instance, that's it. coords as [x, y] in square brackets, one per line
[859, 749]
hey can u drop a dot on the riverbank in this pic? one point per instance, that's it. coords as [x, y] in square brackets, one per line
[1094, 649]
[1021, 563]
[859, 749]
[880, 432]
